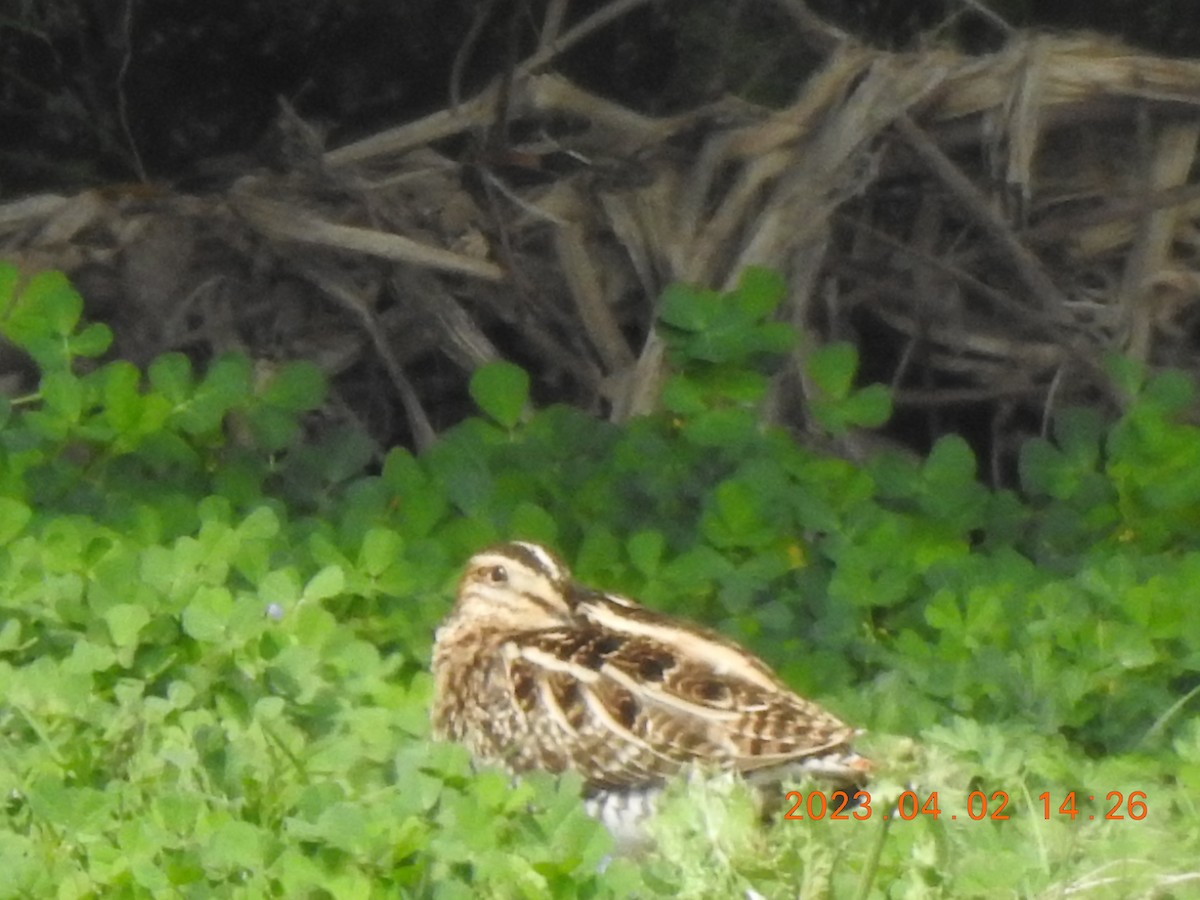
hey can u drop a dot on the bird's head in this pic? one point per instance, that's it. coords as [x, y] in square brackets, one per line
[515, 586]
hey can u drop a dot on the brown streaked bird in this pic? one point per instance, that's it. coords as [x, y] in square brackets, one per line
[536, 671]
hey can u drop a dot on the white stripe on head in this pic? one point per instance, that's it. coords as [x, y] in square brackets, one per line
[547, 561]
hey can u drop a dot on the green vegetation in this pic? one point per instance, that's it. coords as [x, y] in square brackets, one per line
[214, 633]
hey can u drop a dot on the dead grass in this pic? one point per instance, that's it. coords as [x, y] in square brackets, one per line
[985, 228]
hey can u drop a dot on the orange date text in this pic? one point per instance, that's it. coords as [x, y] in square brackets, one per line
[992, 806]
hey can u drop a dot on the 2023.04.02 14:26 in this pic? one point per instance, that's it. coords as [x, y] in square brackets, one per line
[843, 806]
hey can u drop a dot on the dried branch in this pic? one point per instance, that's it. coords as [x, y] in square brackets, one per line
[1028, 266]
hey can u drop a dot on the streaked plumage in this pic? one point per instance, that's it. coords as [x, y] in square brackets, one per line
[535, 671]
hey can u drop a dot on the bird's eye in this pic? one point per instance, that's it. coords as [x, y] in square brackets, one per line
[496, 574]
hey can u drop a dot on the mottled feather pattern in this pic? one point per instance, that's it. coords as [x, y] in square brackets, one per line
[534, 671]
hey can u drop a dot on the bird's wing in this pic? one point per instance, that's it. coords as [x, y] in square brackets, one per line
[630, 697]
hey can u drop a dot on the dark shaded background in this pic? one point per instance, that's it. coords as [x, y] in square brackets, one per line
[99, 91]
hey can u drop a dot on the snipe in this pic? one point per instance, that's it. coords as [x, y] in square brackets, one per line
[536, 671]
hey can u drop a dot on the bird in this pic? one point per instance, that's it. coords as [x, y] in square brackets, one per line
[536, 671]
